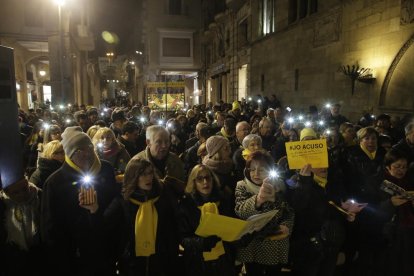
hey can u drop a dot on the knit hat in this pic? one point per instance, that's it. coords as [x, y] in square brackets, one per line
[235, 105]
[308, 132]
[74, 138]
[214, 144]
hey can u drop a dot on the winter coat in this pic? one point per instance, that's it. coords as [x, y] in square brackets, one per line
[188, 219]
[363, 184]
[123, 213]
[174, 167]
[319, 230]
[239, 164]
[191, 159]
[45, 168]
[261, 249]
[131, 147]
[76, 239]
[119, 159]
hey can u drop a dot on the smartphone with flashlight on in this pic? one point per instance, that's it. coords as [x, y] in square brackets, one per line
[274, 180]
[87, 191]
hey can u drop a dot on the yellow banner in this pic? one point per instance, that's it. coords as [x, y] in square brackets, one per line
[314, 152]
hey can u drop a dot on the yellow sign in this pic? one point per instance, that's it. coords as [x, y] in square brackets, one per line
[314, 152]
[232, 229]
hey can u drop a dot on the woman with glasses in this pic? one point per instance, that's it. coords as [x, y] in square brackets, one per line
[260, 192]
[402, 248]
[208, 255]
[51, 160]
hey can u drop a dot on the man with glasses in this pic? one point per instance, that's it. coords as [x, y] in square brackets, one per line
[76, 243]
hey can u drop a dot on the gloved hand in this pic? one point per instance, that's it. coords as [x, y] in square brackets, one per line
[210, 242]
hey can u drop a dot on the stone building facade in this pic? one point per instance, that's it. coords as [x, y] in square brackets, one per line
[296, 49]
[170, 45]
[31, 28]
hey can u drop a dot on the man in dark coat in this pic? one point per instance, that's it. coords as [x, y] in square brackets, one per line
[77, 242]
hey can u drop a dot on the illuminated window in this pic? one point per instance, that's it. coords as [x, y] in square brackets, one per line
[267, 16]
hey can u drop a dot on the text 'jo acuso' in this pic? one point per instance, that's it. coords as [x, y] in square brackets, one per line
[307, 146]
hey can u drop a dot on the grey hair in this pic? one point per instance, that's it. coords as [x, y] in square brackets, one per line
[269, 110]
[249, 138]
[242, 123]
[409, 128]
[152, 130]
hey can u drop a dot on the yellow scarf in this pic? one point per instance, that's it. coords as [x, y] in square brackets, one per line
[371, 155]
[93, 170]
[146, 222]
[224, 133]
[218, 250]
[246, 153]
[320, 180]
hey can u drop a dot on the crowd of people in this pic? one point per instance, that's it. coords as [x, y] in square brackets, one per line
[122, 190]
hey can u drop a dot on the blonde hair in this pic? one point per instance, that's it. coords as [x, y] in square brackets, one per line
[191, 186]
[104, 131]
[51, 148]
[365, 132]
[92, 131]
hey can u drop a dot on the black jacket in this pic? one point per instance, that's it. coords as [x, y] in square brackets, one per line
[363, 183]
[45, 168]
[76, 239]
[313, 213]
[123, 213]
[188, 218]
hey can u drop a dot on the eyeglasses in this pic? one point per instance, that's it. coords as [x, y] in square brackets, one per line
[201, 178]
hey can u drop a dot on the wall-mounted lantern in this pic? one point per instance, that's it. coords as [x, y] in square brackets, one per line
[355, 72]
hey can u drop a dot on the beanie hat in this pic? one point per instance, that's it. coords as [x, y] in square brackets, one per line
[74, 138]
[308, 132]
[235, 105]
[214, 144]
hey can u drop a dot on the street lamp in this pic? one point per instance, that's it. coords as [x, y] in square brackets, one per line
[61, 3]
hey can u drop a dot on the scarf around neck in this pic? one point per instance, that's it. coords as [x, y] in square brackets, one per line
[219, 166]
[320, 180]
[93, 170]
[146, 222]
[246, 153]
[218, 250]
[371, 155]
[251, 187]
[224, 133]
